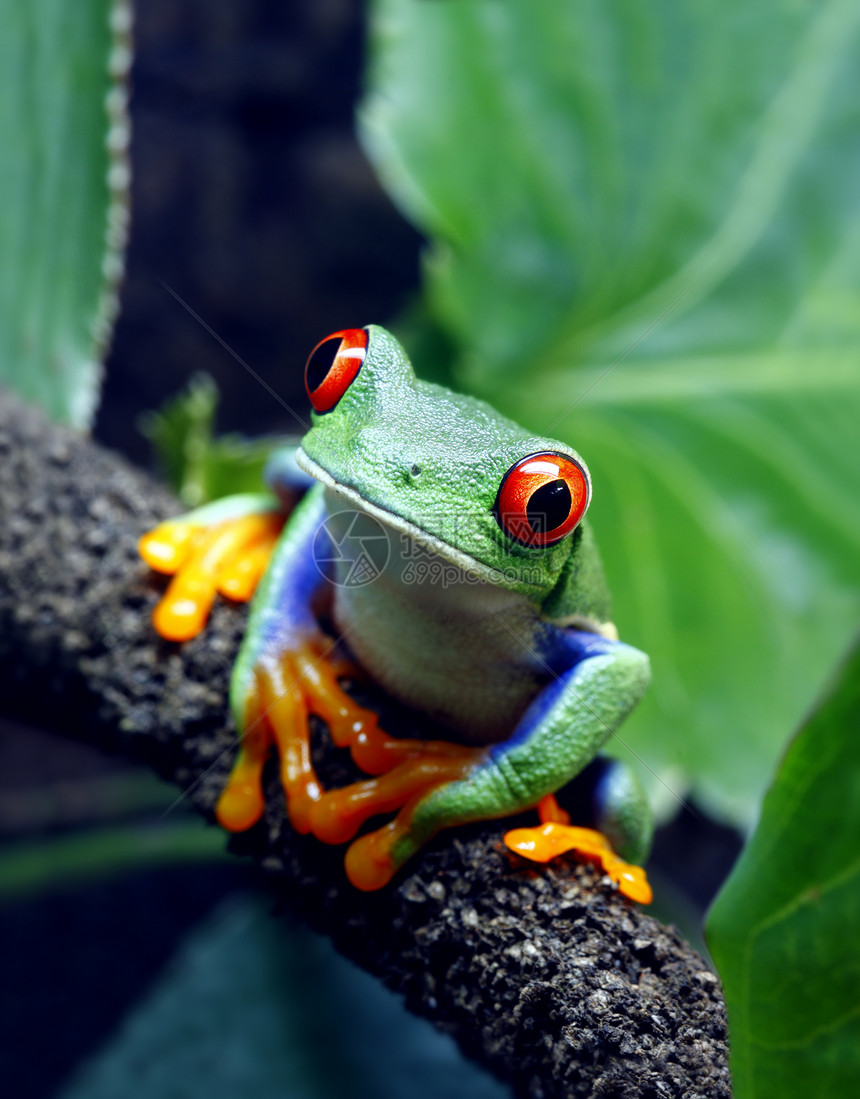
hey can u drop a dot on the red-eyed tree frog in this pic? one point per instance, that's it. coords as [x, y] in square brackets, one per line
[449, 548]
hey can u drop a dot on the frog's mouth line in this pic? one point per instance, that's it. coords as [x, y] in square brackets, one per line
[396, 522]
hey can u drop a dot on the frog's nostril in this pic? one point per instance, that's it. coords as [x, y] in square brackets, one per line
[415, 470]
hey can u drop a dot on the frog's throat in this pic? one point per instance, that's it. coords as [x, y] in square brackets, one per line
[396, 522]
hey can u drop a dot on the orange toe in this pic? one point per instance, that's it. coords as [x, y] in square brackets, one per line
[548, 840]
[166, 546]
[368, 861]
[241, 803]
[185, 606]
[230, 556]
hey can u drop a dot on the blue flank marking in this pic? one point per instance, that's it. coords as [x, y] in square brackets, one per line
[580, 645]
[563, 651]
[286, 611]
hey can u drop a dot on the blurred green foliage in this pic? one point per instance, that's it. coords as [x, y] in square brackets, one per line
[784, 929]
[196, 464]
[73, 859]
[645, 225]
[63, 189]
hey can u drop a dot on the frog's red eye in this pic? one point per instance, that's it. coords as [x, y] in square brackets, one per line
[542, 498]
[333, 365]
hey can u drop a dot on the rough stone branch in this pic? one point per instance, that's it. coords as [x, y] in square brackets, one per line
[547, 977]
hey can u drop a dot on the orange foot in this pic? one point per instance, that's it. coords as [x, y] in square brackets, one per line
[556, 836]
[228, 556]
[373, 859]
[286, 691]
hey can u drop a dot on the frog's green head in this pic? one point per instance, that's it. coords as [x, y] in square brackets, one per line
[463, 481]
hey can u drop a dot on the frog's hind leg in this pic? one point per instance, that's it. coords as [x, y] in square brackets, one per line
[558, 736]
[616, 829]
[421, 767]
[608, 796]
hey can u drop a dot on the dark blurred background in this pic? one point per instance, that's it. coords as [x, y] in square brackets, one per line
[252, 200]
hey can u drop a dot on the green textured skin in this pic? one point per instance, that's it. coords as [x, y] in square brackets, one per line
[388, 422]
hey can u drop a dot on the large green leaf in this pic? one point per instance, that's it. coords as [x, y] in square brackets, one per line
[784, 929]
[63, 183]
[646, 241]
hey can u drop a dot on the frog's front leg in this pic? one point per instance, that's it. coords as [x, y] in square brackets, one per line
[286, 669]
[599, 683]
[220, 547]
[223, 546]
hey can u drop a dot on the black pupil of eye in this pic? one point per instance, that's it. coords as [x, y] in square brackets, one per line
[320, 362]
[548, 506]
